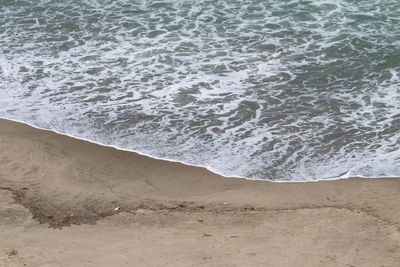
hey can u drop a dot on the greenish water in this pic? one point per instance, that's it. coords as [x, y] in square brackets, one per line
[278, 90]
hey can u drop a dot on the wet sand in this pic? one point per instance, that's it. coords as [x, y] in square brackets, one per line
[67, 202]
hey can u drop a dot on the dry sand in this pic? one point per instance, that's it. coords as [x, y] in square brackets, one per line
[66, 202]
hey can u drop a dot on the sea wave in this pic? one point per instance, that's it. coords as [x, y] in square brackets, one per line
[284, 91]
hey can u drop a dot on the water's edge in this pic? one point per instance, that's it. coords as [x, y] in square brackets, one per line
[193, 165]
[286, 90]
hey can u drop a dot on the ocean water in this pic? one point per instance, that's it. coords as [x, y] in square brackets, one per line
[290, 90]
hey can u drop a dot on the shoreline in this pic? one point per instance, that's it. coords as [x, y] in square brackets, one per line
[193, 165]
[106, 198]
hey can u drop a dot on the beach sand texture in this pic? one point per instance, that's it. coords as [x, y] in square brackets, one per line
[67, 202]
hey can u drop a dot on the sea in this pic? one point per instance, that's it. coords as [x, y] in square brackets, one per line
[279, 90]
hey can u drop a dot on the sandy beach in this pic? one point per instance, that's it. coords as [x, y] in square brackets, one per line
[67, 202]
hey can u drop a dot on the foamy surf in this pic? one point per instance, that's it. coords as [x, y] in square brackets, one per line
[280, 91]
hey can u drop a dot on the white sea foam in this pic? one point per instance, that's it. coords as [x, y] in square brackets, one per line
[271, 90]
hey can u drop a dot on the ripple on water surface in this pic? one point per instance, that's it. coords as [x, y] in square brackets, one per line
[280, 90]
